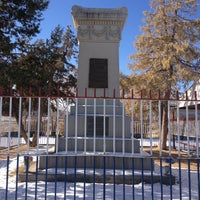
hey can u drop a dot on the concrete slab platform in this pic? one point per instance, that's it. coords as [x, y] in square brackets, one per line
[80, 176]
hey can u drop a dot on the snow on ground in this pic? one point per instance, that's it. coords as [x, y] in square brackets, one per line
[52, 189]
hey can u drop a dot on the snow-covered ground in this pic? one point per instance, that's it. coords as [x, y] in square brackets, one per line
[58, 189]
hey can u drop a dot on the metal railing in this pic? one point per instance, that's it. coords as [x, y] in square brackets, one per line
[93, 153]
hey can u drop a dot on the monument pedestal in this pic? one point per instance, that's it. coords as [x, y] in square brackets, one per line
[98, 128]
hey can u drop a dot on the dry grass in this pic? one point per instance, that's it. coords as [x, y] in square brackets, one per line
[13, 151]
[186, 161]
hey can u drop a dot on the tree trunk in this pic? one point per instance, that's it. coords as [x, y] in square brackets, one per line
[35, 135]
[164, 125]
[23, 132]
[22, 129]
[34, 140]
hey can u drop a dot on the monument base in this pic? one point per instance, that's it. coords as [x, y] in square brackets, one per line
[118, 154]
[130, 177]
[138, 161]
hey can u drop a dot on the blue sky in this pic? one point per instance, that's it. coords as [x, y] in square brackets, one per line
[59, 12]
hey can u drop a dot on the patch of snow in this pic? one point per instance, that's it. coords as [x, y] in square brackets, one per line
[68, 190]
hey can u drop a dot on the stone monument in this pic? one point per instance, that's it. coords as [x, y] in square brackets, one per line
[99, 33]
[101, 120]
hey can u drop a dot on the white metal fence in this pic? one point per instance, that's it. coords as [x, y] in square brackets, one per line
[120, 137]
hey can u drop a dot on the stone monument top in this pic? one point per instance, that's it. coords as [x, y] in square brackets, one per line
[99, 23]
[98, 15]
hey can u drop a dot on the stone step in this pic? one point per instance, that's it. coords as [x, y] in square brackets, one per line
[120, 145]
[99, 178]
[137, 162]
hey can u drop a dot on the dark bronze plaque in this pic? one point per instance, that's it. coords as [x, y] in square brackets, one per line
[99, 126]
[98, 73]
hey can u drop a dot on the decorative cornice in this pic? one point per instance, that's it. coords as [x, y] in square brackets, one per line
[99, 23]
[118, 15]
